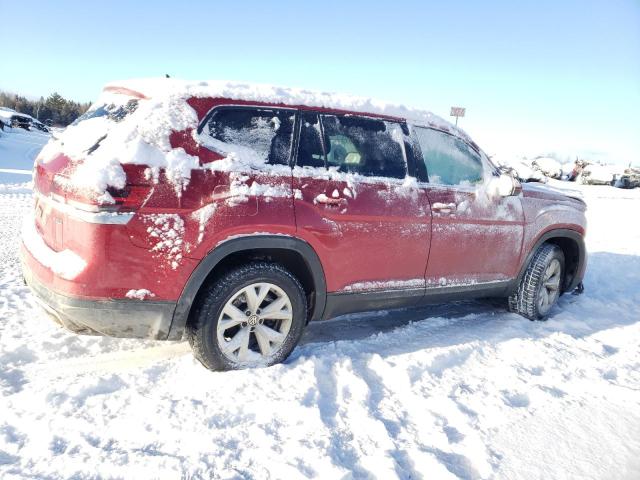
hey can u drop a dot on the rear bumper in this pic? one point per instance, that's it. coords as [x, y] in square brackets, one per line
[122, 318]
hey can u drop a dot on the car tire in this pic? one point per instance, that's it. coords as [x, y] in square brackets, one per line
[268, 332]
[541, 285]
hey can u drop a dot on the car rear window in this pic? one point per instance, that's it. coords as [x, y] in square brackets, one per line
[111, 111]
[253, 134]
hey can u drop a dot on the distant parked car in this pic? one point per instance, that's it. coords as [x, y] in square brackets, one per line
[14, 119]
[11, 118]
[526, 173]
[629, 179]
[39, 125]
[21, 121]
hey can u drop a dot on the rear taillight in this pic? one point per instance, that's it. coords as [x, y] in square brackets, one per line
[55, 180]
[129, 198]
[136, 191]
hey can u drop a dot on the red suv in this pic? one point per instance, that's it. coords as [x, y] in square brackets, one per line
[234, 214]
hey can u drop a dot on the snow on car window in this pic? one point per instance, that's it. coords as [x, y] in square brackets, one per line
[448, 159]
[253, 135]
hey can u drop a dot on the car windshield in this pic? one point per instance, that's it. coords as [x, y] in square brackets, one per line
[111, 111]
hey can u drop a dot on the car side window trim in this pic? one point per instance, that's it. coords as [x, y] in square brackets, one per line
[298, 138]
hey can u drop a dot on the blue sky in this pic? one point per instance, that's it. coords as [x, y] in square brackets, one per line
[535, 77]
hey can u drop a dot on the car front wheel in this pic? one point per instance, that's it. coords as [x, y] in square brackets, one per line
[541, 285]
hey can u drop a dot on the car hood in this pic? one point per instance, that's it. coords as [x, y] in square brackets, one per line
[548, 192]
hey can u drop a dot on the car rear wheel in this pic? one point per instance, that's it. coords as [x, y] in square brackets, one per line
[252, 316]
[541, 284]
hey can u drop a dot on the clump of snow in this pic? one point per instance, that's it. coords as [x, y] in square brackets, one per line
[99, 146]
[140, 294]
[242, 187]
[385, 285]
[166, 231]
[203, 215]
[66, 264]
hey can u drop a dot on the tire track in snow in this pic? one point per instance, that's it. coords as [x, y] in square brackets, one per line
[340, 449]
[112, 362]
[388, 402]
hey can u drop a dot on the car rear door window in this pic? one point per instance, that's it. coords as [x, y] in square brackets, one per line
[365, 146]
[448, 159]
[254, 135]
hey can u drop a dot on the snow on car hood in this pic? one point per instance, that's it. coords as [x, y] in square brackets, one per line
[100, 144]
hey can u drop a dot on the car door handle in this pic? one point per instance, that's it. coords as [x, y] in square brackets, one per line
[322, 198]
[445, 208]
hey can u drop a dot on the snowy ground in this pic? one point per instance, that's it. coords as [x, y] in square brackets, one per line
[464, 390]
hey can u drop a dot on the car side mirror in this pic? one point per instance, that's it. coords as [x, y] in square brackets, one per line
[505, 185]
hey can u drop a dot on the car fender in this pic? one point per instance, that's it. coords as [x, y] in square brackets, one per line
[556, 233]
[238, 244]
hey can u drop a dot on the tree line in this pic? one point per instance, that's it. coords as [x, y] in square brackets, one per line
[53, 110]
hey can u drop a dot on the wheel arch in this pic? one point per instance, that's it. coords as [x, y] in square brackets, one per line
[285, 250]
[571, 242]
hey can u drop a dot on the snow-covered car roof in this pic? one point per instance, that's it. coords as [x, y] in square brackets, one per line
[133, 120]
[6, 113]
[604, 173]
[270, 94]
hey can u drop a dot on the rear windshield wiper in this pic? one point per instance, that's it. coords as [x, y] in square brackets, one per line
[96, 145]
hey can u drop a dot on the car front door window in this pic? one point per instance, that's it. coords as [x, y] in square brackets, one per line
[448, 159]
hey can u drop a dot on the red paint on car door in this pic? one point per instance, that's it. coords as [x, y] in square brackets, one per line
[370, 233]
[476, 237]
[477, 234]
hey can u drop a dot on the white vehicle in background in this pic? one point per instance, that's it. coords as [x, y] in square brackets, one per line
[595, 174]
[521, 168]
[526, 173]
[550, 167]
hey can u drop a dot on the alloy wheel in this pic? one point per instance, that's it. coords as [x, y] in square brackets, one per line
[550, 288]
[254, 323]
